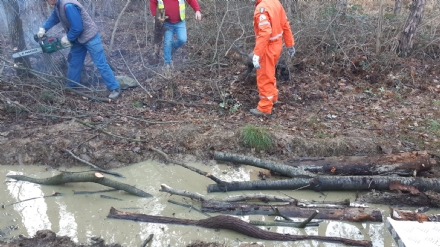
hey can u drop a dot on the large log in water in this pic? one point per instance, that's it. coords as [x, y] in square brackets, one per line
[234, 224]
[290, 210]
[404, 164]
[329, 183]
[428, 198]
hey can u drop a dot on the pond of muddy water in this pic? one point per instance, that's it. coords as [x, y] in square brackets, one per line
[83, 216]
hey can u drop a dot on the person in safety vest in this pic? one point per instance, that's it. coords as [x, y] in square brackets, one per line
[174, 24]
[270, 27]
[82, 35]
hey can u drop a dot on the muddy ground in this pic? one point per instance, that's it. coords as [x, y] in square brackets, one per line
[325, 110]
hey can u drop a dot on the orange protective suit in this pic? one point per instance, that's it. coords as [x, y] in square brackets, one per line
[270, 26]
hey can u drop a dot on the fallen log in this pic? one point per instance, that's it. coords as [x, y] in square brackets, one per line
[403, 164]
[67, 177]
[234, 224]
[428, 198]
[291, 210]
[329, 183]
[244, 197]
[265, 164]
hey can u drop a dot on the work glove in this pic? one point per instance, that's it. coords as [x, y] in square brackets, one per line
[256, 61]
[65, 42]
[41, 32]
[291, 51]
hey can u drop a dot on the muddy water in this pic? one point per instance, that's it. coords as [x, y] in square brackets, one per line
[83, 216]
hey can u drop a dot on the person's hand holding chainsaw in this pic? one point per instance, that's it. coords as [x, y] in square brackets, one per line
[291, 51]
[65, 42]
[41, 32]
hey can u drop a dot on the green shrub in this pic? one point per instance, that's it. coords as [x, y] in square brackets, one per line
[256, 137]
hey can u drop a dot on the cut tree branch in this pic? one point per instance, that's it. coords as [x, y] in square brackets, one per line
[66, 177]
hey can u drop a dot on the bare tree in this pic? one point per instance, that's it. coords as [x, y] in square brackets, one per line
[16, 35]
[406, 38]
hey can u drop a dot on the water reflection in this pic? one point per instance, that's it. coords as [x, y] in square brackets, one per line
[84, 216]
[68, 225]
[33, 212]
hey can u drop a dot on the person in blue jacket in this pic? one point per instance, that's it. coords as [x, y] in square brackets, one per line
[82, 35]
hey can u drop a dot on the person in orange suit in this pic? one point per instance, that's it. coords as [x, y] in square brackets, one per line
[271, 26]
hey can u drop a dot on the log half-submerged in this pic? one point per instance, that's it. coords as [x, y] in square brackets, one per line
[234, 224]
[291, 210]
[329, 183]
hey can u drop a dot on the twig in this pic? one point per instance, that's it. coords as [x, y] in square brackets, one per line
[92, 165]
[184, 103]
[92, 192]
[147, 240]
[128, 67]
[280, 223]
[206, 174]
[278, 213]
[109, 197]
[305, 222]
[108, 133]
[53, 195]
[151, 123]
[188, 206]
[116, 24]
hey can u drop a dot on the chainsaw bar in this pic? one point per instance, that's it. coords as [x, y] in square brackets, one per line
[47, 45]
[27, 52]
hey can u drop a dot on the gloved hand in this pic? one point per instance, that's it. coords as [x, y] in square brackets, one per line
[65, 41]
[291, 51]
[41, 32]
[256, 61]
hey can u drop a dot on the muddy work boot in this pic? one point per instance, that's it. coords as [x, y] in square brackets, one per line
[114, 94]
[258, 113]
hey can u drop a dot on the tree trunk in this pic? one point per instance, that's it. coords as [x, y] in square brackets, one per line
[406, 39]
[98, 178]
[16, 34]
[328, 183]
[404, 164]
[234, 224]
[290, 210]
[397, 6]
[269, 165]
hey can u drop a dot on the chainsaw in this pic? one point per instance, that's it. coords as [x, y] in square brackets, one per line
[47, 45]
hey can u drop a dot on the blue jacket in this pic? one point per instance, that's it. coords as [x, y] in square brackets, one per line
[73, 14]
